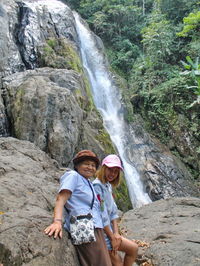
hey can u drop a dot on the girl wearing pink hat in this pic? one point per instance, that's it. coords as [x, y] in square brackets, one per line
[108, 176]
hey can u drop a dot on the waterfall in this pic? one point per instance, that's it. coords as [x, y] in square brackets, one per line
[107, 100]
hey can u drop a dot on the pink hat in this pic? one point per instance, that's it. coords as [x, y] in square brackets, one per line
[112, 160]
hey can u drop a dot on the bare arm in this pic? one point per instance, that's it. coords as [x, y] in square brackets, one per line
[114, 236]
[56, 227]
[108, 232]
[115, 226]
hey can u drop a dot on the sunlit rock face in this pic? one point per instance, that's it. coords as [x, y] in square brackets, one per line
[25, 26]
[47, 106]
[10, 58]
[38, 22]
[44, 112]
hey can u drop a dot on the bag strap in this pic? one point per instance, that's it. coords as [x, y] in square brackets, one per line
[92, 198]
[92, 195]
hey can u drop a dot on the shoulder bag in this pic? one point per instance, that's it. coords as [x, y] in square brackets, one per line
[82, 227]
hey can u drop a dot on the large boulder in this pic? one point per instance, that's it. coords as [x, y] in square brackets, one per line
[168, 231]
[43, 111]
[28, 185]
[50, 108]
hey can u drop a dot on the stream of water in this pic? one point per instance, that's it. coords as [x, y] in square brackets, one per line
[107, 100]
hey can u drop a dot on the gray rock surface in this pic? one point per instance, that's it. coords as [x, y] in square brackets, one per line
[28, 184]
[170, 227]
[45, 112]
[162, 173]
[10, 59]
[47, 107]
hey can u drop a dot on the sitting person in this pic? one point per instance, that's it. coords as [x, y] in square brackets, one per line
[108, 176]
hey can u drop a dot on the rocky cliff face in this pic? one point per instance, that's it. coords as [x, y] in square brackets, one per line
[163, 174]
[50, 106]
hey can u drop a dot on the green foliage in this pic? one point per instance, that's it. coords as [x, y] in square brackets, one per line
[74, 4]
[193, 70]
[162, 105]
[157, 40]
[164, 109]
[191, 25]
[176, 10]
[120, 23]
[52, 43]
[124, 56]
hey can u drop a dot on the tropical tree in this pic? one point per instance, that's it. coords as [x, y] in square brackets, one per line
[193, 70]
[191, 25]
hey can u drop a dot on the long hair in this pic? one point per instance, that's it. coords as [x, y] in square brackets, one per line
[100, 174]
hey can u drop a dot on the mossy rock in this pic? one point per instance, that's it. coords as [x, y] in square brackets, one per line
[122, 198]
[104, 138]
[122, 85]
[59, 53]
[62, 54]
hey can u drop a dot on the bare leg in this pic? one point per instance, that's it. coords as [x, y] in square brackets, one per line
[131, 249]
[115, 258]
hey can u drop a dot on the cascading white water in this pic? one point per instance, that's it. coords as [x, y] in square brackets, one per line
[106, 98]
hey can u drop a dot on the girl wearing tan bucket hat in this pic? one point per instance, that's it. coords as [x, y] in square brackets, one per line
[108, 176]
[75, 194]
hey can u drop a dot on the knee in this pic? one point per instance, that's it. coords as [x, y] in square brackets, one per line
[115, 258]
[133, 250]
